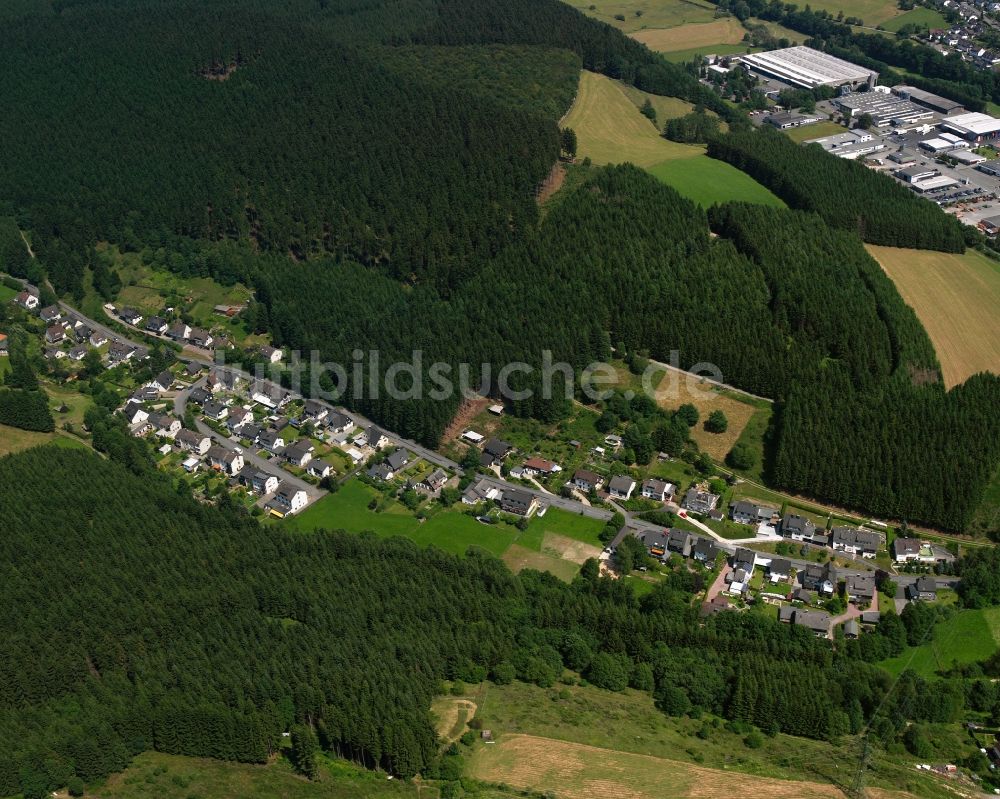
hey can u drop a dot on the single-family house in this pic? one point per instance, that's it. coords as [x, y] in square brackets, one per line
[860, 589]
[434, 481]
[225, 460]
[821, 578]
[745, 559]
[263, 482]
[855, 542]
[816, 621]
[287, 500]
[50, 314]
[156, 324]
[98, 339]
[163, 381]
[658, 490]
[851, 628]
[119, 352]
[494, 451]
[271, 354]
[381, 471]
[587, 480]
[199, 395]
[705, 551]
[319, 468]
[130, 316]
[479, 491]
[397, 459]
[179, 331]
[272, 440]
[192, 369]
[315, 411]
[613, 441]
[680, 541]
[268, 394]
[518, 502]
[54, 353]
[194, 442]
[698, 500]
[925, 589]
[375, 438]
[134, 413]
[870, 617]
[164, 425]
[743, 512]
[238, 418]
[55, 333]
[779, 569]
[215, 411]
[621, 487]
[797, 527]
[199, 337]
[250, 432]
[657, 544]
[537, 466]
[78, 353]
[299, 453]
[337, 422]
[27, 300]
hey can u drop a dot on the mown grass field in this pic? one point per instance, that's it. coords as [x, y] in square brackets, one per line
[13, 439]
[679, 56]
[639, 14]
[708, 181]
[557, 542]
[956, 298]
[726, 30]
[872, 12]
[6, 293]
[921, 15]
[610, 129]
[970, 635]
[817, 131]
[666, 107]
[581, 742]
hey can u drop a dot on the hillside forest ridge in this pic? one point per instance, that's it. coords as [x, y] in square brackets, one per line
[197, 563]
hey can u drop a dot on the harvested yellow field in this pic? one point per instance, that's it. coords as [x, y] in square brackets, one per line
[687, 37]
[577, 771]
[706, 400]
[957, 298]
[610, 129]
[452, 717]
[570, 549]
[519, 557]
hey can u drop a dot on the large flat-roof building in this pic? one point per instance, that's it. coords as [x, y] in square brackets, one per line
[849, 144]
[973, 127]
[932, 101]
[882, 107]
[808, 68]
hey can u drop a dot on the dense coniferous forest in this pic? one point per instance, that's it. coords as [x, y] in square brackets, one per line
[141, 619]
[843, 192]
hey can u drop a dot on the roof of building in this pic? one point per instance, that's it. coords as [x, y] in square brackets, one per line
[621, 483]
[586, 476]
[398, 458]
[973, 123]
[780, 566]
[808, 68]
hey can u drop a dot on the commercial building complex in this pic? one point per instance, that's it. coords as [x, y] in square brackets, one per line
[808, 68]
[973, 127]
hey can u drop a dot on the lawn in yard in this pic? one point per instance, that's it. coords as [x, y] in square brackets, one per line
[968, 636]
[708, 181]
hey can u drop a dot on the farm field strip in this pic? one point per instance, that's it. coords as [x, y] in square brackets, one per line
[704, 34]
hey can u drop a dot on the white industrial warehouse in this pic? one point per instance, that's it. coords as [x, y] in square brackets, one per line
[973, 127]
[808, 68]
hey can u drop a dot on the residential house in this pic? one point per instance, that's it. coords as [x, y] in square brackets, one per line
[821, 578]
[199, 395]
[50, 314]
[146, 394]
[479, 491]
[699, 500]
[381, 471]
[434, 481]
[27, 300]
[397, 459]
[658, 490]
[82, 331]
[287, 500]
[199, 337]
[315, 411]
[98, 339]
[870, 617]
[163, 381]
[225, 460]
[779, 569]
[156, 324]
[536, 466]
[855, 542]
[657, 544]
[802, 595]
[319, 468]
[215, 411]
[194, 442]
[268, 394]
[494, 451]
[299, 453]
[130, 316]
[338, 422]
[192, 369]
[271, 354]
[521, 503]
[705, 551]
[613, 441]
[851, 628]
[239, 417]
[797, 527]
[54, 353]
[78, 353]
[587, 481]
[250, 432]
[119, 352]
[164, 425]
[179, 331]
[272, 441]
[621, 487]
[375, 438]
[680, 541]
[925, 589]
[743, 512]
[223, 380]
[263, 483]
[860, 589]
[745, 559]
[134, 413]
[55, 333]
[815, 621]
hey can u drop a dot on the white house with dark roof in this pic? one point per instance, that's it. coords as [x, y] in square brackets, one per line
[299, 453]
[658, 490]
[134, 413]
[287, 500]
[319, 468]
[621, 487]
[225, 460]
[27, 300]
[698, 500]
[272, 440]
[586, 480]
[193, 442]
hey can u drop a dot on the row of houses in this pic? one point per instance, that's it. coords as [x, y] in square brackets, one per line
[681, 542]
[510, 500]
[622, 486]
